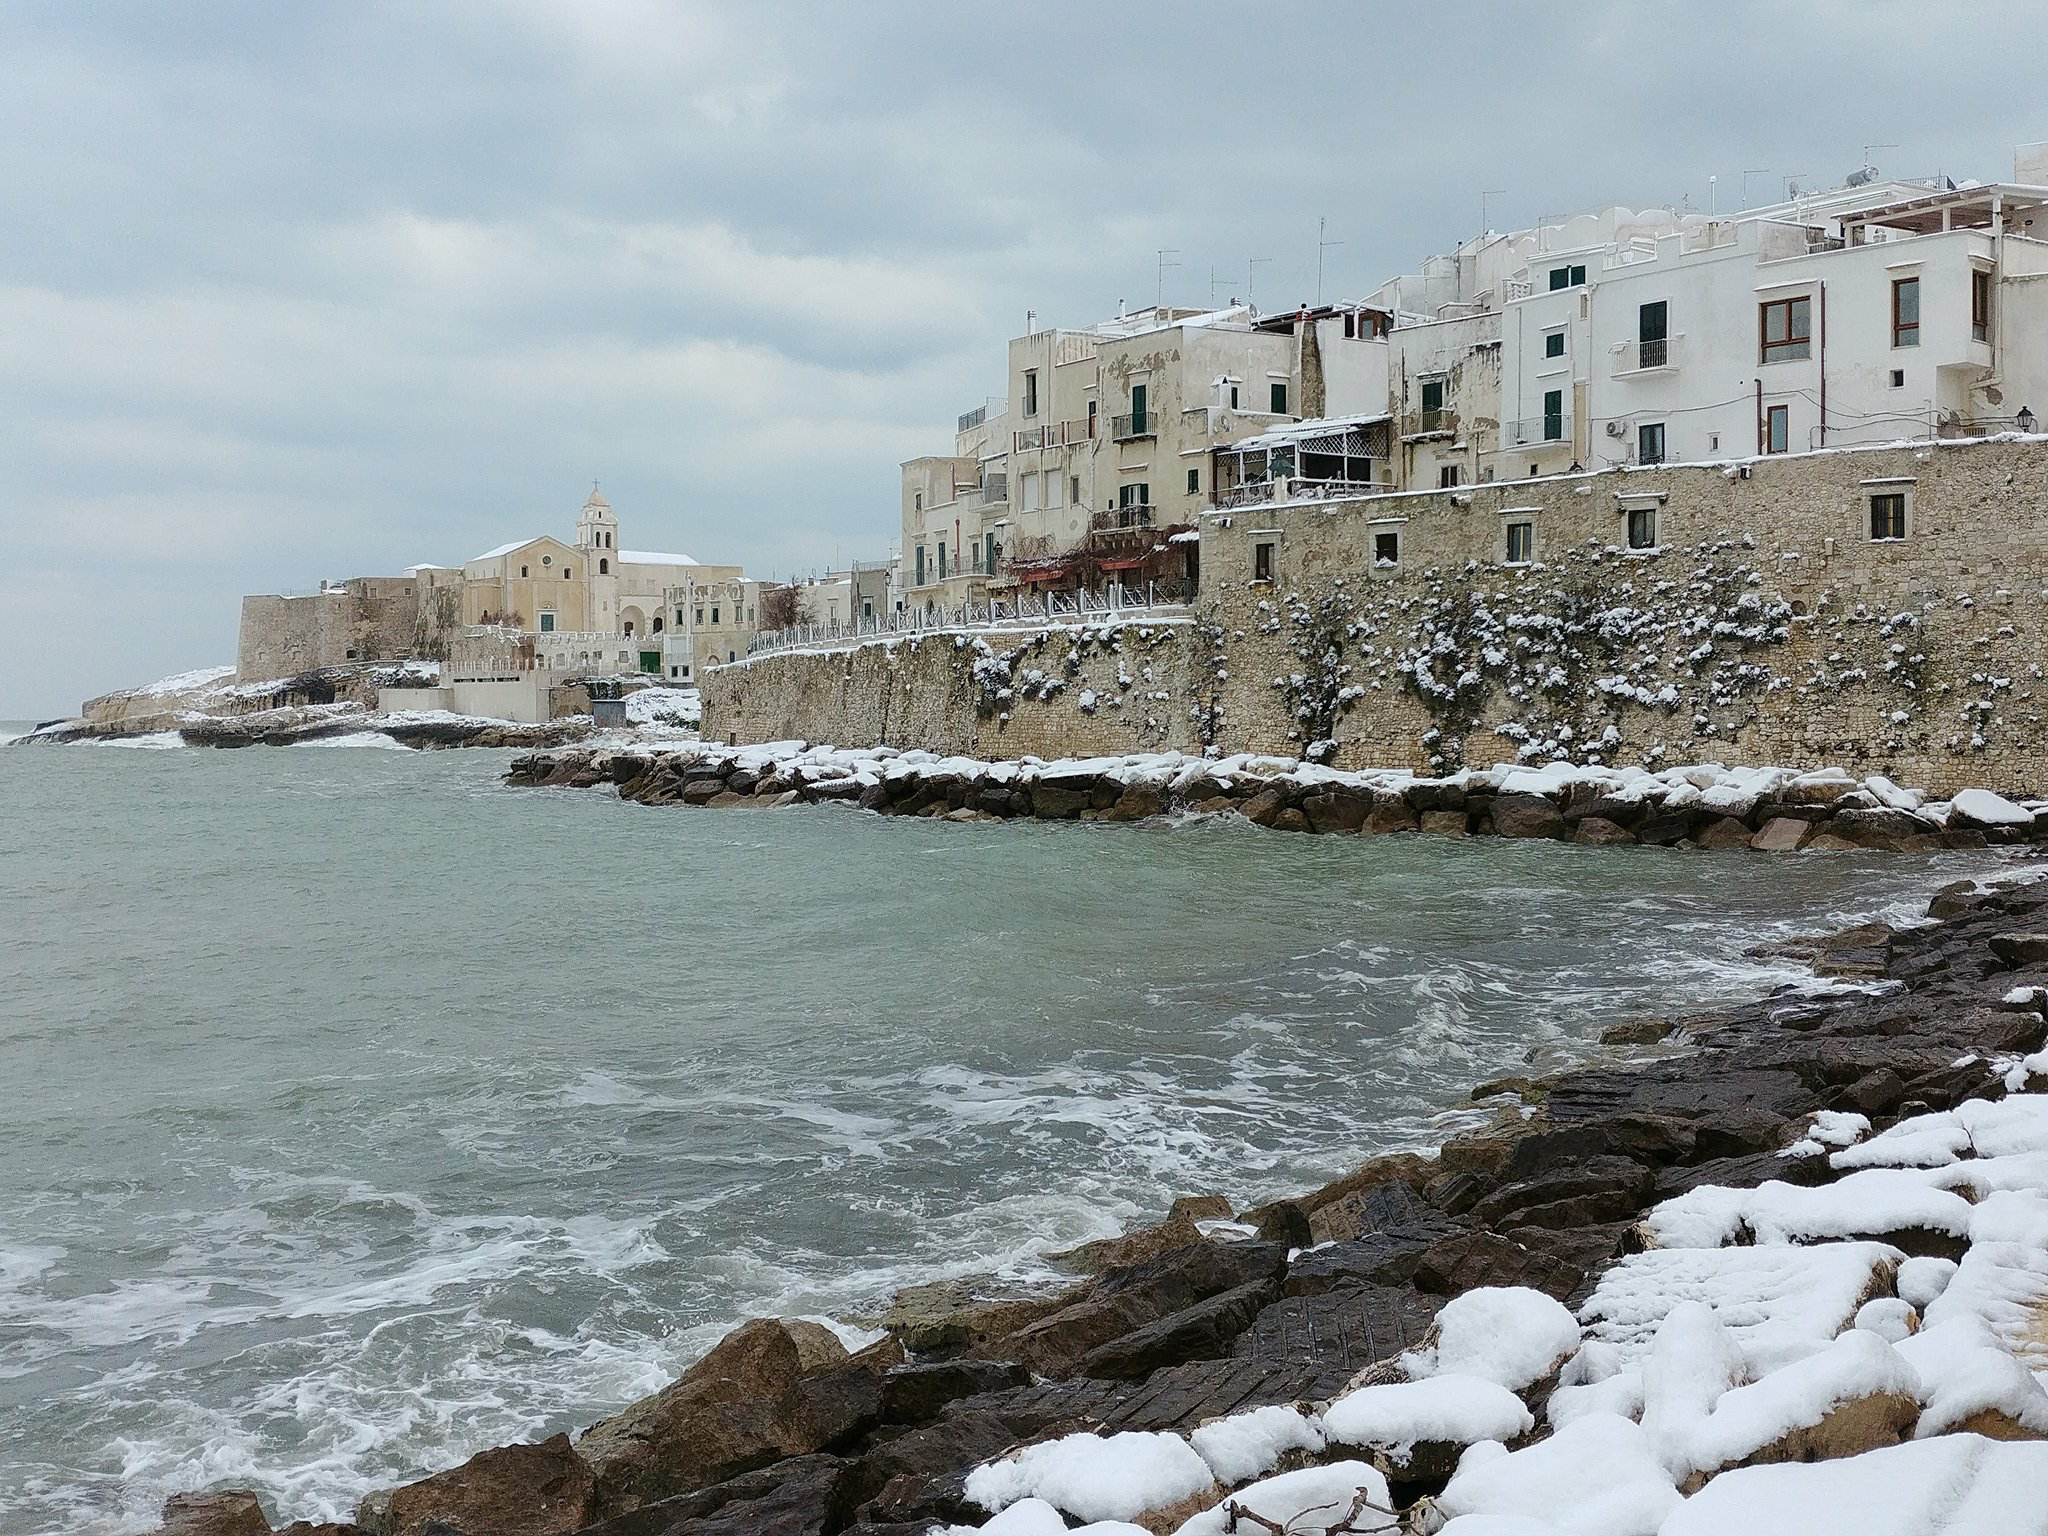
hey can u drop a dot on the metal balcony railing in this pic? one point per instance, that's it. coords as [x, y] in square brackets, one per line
[1436, 419]
[1023, 611]
[1134, 424]
[1643, 356]
[1136, 515]
[1536, 431]
[995, 488]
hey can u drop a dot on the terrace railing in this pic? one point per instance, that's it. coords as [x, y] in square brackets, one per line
[1024, 610]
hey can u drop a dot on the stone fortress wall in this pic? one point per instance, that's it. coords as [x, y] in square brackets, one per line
[1764, 626]
[367, 618]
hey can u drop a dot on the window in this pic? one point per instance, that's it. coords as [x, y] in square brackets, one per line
[1030, 391]
[604, 567]
[1553, 415]
[1138, 393]
[1432, 405]
[1777, 428]
[675, 671]
[1906, 312]
[547, 621]
[1566, 277]
[657, 623]
[1785, 330]
[1262, 562]
[1980, 306]
[1448, 475]
[920, 565]
[1074, 489]
[1521, 543]
[714, 614]
[1194, 482]
[917, 500]
[679, 617]
[1233, 394]
[1553, 344]
[1898, 378]
[547, 559]
[1386, 548]
[1650, 443]
[1887, 515]
[1279, 392]
[1091, 424]
[686, 669]
[988, 560]
[942, 559]
[568, 571]
[522, 571]
[1642, 527]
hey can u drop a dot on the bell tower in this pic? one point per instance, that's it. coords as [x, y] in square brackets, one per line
[597, 531]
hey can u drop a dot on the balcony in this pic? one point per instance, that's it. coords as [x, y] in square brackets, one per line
[1136, 515]
[1133, 425]
[1431, 421]
[993, 489]
[1053, 434]
[1648, 356]
[1549, 431]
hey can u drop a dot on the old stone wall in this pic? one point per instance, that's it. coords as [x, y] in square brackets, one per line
[1764, 625]
[368, 618]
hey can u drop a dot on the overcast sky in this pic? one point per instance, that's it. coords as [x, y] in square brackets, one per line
[321, 290]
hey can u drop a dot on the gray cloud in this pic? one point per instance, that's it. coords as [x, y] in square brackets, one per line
[326, 289]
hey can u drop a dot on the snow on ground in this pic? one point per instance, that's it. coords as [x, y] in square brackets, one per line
[185, 682]
[664, 706]
[1694, 1373]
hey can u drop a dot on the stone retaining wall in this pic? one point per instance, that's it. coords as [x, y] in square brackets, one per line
[1765, 626]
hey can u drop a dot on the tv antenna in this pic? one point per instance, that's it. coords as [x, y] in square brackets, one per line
[1496, 192]
[1745, 183]
[1251, 272]
[1322, 245]
[1159, 293]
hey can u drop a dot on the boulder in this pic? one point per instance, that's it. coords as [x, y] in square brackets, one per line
[1337, 810]
[1445, 823]
[1665, 827]
[917, 1393]
[1458, 1264]
[1115, 1252]
[230, 1512]
[1599, 832]
[750, 1401]
[1727, 832]
[2018, 949]
[1527, 816]
[701, 791]
[1265, 807]
[1782, 834]
[1390, 1217]
[804, 1496]
[1339, 1332]
[1059, 802]
[1582, 1192]
[1203, 1331]
[1289, 820]
[511, 1490]
[949, 1316]
[1881, 828]
[1137, 803]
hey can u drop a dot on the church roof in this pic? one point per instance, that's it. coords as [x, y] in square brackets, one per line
[503, 549]
[653, 557]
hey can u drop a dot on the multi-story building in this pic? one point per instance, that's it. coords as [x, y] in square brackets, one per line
[1100, 449]
[712, 617]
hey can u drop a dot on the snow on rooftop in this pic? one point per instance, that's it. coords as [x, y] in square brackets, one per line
[503, 549]
[652, 557]
[1321, 426]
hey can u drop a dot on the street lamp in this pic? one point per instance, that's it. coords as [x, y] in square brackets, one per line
[2025, 420]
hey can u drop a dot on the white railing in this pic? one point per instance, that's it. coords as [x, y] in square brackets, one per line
[1289, 488]
[1025, 609]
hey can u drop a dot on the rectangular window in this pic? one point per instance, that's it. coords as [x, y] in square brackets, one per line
[1432, 405]
[1091, 423]
[1138, 393]
[1449, 475]
[1233, 395]
[988, 558]
[1566, 277]
[1521, 543]
[547, 621]
[1777, 428]
[714, 615]
[1074, 489]
[1650, 443]
[1553, 415]
[1906, 312]
[917, 501]
[1888, 515]
[920, 565]
[942, 559]
[1785, 330]
[1553, 344]
[1386, 548]
[1980, 306]
[1279, 398]
[700, 611]
[1642, 527]
[1194, 482]
[1262, 562]
[1030, 391]
[1898, 378]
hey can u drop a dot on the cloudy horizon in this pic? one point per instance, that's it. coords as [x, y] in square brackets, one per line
[328, 290]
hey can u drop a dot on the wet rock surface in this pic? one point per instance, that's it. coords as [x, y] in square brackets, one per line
[778, 1429]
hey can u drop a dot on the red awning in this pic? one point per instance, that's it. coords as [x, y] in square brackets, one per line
[1033, 578]
[1129, 564]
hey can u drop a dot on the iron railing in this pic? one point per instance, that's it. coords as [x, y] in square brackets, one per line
[1640, 356]
[1551, 428]
[1133, 515]
[1134, 424]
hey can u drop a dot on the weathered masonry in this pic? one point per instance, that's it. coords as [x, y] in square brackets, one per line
[1882, 609]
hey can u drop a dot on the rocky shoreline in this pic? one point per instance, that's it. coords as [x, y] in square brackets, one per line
[293, 725]
[779, 1431]
[1776, 810]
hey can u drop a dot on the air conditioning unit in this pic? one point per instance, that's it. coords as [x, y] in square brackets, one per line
[1617, 429]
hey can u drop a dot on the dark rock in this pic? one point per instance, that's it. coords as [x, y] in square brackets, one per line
[1636, 1032]
[511, 1490]
[1432, 795]
[1676, 1087]
[1390, 814]
[231, 1512]
[1728, 832]
[1599, 832]
[1337, 810]
[1881, 828]
[1665, 827]
[913, 1394]
[1289, 820]
[1285, 1222]
[1340, 1331]
[1459, 1264]
[1744, 1172]
[1572, 1192]
[701, 791]
[1124, 1300]
[1058, 802]
[1527, 816]
[803, 1496]
[1370, 1236]
[1200, 1332]
[1445, 823]
[1619, 810]
[1137, 803]
[1639, 1138]
[1875, 1093]
[947, 1316]
[2021, 948]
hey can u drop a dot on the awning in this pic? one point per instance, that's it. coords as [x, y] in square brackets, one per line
[1130, 564]
[1033, 578]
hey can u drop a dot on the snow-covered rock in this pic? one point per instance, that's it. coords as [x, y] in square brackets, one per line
[1095, 1477]
[1507, 1334]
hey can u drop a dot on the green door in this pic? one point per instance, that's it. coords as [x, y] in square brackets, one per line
[650, 661]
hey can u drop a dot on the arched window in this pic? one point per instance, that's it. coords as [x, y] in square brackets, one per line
[522, 570]
[657, 624]
[568, 571]
[604, 567]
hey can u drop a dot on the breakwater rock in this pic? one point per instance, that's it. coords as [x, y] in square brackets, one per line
[1804, 1229]
[1776, 810]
